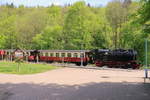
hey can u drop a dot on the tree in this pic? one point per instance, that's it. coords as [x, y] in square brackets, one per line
[145, 15]
[29, 25]
[132, 33]
[54, 15]
[116, 15]
[127, 3]
[77, 31]
[50, 38]
[38, 42]
[2, 41]
[100, 29]
[8, 30]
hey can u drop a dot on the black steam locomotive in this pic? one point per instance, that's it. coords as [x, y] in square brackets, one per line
[115, 58]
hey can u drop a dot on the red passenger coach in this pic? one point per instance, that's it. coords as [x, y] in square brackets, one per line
[73, 56]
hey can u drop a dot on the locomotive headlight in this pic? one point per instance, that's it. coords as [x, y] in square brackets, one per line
[106, 53]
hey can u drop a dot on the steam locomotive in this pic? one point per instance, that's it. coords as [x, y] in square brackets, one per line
[115, 58]
[118, 58]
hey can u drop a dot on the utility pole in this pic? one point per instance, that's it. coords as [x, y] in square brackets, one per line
[11, 49]
[146, 65]
[82, 54]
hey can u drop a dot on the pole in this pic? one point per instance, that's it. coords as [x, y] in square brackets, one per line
[146, 70]
[37, 59]
[81, 58]
[82, 54]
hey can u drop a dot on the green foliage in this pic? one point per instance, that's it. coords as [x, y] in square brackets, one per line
[117, 14]
[134, 38]
[144, 15]
[7, 27]
[38, 43]
[144, 11]
[143, 18]
[76, 26]
[2, 41]
[54, 16]
[51, 37]
[101, 30]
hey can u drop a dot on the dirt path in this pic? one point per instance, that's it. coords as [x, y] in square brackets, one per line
[72, 76]
[76, 84]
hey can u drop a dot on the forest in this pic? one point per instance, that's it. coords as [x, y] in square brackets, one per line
[119, 24]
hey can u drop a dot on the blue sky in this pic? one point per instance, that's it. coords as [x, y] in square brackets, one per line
[49, 2]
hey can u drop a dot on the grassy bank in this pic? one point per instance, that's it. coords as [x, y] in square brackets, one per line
[24, 68]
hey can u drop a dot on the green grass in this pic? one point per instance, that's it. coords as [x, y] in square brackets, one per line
[144, 67]
[24, 68]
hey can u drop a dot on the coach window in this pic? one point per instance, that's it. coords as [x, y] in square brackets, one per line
[54, 54]
[46, 54]
[57, 54]
[69, 55]
[51, 54]
[75, 55]
[62, 54]
[43, 53]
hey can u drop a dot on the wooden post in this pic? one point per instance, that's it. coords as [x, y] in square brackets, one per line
[2, 57]
[37, 59]
[18, 67]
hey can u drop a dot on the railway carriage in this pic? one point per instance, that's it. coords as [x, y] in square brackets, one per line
[72, 56]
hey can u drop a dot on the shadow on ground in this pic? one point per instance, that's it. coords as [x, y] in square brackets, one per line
[90, 91]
